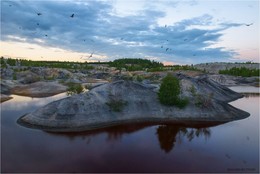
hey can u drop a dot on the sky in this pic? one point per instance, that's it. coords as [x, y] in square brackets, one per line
[169, 31]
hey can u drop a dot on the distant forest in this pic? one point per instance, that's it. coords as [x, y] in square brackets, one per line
[49, 64]
[128, 64]
[244, 72]
[136, 64]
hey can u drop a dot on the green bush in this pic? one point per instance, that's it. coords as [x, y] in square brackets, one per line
[139, 78]
[74, 88]
[182, 103]
[169, 92]
[14, 76]
[116, 105]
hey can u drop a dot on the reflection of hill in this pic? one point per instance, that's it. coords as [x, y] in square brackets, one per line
[113, 133]
[167, 135]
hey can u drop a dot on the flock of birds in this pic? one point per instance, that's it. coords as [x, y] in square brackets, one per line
[187, 39]
[72, 16]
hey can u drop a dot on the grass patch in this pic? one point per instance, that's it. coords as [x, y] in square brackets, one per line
[202, 101]
[116, 105]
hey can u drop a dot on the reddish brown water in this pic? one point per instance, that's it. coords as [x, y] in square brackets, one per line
[230, 147]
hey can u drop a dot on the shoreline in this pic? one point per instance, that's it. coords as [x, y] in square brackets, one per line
[152, 121]
[187, 122]
[4, 98]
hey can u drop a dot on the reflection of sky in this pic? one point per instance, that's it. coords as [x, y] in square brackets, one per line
[231, 145]
[248, 89]
[244, 135]
[20, 102]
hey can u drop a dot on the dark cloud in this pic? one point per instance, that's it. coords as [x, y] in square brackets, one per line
[95, 28]
[229, 25]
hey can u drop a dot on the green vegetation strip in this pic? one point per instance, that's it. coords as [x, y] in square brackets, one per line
[244, 72]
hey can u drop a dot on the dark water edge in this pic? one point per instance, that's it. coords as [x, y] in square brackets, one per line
[230, 147]
[247, 95]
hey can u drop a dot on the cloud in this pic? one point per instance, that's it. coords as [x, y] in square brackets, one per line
[95, 28]
[229, 25]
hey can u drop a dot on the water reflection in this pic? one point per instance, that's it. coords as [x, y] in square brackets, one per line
[114, 133]
[245, 89]
[149, 148]
[19, 102]
[167, 135]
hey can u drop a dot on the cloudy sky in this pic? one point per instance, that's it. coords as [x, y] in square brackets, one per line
[178, 32]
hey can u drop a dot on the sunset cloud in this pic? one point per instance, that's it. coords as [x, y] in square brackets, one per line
[96, 28]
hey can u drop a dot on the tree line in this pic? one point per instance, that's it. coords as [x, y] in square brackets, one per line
[49, 64]
[135, 64]
[244, 72]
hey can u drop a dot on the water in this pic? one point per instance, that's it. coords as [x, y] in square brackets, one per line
[230, 147]
[248, 89]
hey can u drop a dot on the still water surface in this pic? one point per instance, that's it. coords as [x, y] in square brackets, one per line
[230, 147]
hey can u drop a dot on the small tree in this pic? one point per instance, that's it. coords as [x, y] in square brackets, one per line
[169, 92]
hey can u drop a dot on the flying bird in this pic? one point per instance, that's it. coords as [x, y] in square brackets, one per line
[165, 26]
[9, 3]
[167, 49]
[90, 55]
[162, 46]
[39, 14]
[249, 24]
[38, 24]
[46, 35]
[72, 15]
[122, 38]
[227, 156]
